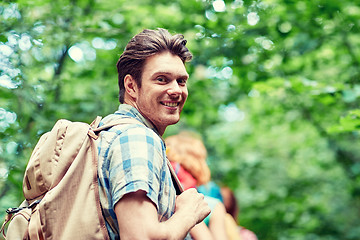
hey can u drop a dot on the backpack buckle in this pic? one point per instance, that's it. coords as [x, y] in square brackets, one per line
[16, 210]
[92, 134]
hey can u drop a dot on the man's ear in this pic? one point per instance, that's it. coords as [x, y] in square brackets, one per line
[131, 87]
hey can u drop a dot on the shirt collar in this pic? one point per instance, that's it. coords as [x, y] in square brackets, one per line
[128, 110]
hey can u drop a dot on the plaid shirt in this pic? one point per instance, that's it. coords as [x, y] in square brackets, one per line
[132, 157]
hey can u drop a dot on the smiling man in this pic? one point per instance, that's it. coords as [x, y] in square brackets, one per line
[137, 194]
[163, 90]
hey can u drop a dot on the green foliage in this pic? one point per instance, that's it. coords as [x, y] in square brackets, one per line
[274, 91]
[348, 123]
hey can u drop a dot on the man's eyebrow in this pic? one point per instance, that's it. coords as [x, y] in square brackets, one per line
[171, 74]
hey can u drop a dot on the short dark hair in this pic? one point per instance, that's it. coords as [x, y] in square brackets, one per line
[143, 45]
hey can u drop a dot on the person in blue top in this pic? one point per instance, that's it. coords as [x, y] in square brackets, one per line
[137, 194]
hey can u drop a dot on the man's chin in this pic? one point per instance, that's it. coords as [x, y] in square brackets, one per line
[172, 121]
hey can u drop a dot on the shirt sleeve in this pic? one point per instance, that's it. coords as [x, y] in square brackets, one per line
[135, 164]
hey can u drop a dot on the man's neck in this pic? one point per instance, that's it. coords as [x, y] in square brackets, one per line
[132, 103]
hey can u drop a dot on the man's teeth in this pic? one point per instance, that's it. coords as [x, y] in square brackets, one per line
[174, 104]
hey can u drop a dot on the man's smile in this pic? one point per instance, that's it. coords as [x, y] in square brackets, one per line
[170, 104]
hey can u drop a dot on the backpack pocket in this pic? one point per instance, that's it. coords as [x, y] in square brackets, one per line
[18, 225]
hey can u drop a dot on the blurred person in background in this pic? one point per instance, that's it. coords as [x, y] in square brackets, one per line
[232, 209]
[187, 155]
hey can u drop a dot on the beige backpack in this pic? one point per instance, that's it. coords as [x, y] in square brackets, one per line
[61, 186]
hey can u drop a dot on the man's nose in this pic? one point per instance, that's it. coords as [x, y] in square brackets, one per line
[174, 88]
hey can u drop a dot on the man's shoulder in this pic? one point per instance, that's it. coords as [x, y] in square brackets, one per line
[135, 131]
[131, 130]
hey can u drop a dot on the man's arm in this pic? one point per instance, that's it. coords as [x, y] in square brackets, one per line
[138, 219]
[201, 232]
[217, 222]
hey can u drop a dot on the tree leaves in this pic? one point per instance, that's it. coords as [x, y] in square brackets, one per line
[273, 90]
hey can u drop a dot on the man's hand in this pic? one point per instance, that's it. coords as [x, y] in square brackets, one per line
[138, 219]
[192, 206]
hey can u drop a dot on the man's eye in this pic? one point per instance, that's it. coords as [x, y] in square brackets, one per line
[161, 79]
[182, 81]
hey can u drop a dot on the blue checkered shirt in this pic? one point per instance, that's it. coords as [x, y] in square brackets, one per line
[132, 157]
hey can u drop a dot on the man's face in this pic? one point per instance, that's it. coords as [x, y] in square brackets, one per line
[163, 91]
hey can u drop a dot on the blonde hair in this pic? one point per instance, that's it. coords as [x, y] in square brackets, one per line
[187, 149]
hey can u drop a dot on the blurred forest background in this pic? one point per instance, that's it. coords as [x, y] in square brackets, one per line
[274, 91]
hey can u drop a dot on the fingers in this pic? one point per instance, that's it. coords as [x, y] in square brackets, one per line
[204, 209]
[194, 204]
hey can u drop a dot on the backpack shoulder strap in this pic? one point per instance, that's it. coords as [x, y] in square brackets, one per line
[95, 129]
[178, 187]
